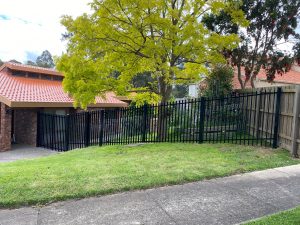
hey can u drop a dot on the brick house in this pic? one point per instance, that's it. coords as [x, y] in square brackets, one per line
[26, 90]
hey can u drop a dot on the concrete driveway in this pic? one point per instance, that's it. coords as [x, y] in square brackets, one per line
[24, 152]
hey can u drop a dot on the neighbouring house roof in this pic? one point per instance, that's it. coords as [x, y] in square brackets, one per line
[18, 91]
[291, 77]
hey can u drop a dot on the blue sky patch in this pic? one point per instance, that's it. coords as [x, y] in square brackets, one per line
[4, 17]
[31, 56]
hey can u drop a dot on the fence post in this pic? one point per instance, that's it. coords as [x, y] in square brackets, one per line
[87, 128]
[277, 117]
[101, 127]
[257, 113]
[145, 113]
[295, 131]
[202, 117]
[67, 131]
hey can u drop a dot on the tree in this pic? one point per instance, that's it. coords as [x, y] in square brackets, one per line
[180, 91]
[296, 50]
[45, 60]
[14, 61]
[31, 63]
[1, 62]
[143, 80]
[163, 37]
[219, 81]
[271, 23]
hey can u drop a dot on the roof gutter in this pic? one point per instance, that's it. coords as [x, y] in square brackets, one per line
[15, 104]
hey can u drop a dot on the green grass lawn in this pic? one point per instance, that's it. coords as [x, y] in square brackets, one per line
[102, 170]
[290, 217]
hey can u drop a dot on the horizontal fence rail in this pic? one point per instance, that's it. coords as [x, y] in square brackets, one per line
[242, 118]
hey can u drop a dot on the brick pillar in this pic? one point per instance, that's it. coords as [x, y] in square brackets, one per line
[5, 128]
[26, 126]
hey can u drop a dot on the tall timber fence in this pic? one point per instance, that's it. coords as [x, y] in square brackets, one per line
[289, 120]
[244, 118]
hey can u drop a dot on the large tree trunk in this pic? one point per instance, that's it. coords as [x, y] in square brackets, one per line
[240, 77]
[162, 126]
[254, 75]
[163, 111]
[252, 80]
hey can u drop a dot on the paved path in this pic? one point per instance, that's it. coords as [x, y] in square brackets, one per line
[229, 200]
[24, 152]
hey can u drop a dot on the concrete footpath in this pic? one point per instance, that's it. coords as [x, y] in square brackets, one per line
[229, 200]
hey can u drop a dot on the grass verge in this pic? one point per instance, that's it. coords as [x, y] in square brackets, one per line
[103, 170]
[290, 217]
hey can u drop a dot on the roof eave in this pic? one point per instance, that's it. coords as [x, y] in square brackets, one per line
[278, 81]
[33, 70]
[5, 100]
[15, 104]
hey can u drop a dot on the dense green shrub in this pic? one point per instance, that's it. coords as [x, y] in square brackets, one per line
[219, 81]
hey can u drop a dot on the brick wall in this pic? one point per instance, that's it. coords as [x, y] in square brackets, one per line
[25, 126]
[5, 128]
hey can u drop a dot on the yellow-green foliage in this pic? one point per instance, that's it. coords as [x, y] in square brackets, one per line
[146, 98]
[165, 37]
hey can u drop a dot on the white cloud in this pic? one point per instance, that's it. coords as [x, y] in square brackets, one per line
[34, 25]
[286, 47]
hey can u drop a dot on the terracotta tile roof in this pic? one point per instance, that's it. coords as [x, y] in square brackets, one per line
[28, 68]
[22, 92]
[291, 77]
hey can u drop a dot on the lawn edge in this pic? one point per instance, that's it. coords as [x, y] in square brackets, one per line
[40, 204]
[269, 215]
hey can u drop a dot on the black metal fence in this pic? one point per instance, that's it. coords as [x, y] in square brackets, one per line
[242, 118]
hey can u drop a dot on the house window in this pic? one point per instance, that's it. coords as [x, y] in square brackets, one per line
[61, 112]
[46, 77]
[18, 73]
[33, 75]
[58, 78]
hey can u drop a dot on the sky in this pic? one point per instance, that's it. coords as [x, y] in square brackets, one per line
[28, 27]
